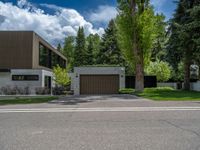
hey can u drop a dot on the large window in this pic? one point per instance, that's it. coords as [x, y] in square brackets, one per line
[25, 77]
[50, 59]
[43, 58]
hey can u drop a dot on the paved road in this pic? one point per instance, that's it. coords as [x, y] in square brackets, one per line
[155, 127]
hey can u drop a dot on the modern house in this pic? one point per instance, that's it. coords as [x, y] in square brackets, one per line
[26, 60]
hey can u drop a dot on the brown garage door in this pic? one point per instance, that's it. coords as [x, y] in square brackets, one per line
[99, 84]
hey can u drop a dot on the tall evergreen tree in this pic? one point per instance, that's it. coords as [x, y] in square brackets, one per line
[89, 53]
[186, 28]
[79, 53]
[95, 39]
[68, 51]
[109, 50]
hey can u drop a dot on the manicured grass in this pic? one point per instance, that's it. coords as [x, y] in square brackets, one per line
[26, 100]
[169, 94]
[126, 91]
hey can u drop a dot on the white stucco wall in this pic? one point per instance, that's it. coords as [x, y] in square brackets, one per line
[169, 84]
[6, 78]
[195, 86]
[96, 71]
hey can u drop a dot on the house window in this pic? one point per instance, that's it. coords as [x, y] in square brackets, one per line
[49, 59]
[25, 77]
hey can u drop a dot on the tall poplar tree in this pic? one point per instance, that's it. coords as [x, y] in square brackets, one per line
[137, 30]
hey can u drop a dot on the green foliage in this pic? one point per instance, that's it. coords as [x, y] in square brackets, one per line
[79, 53]
[68, 51]
[159, 44]
[184, 42]
[144, 25]
[126, 91]
[137, 30]
[61, 76]
[109, 50]
[95, 39]
[89, 53]
[26, 100]
[159, 68]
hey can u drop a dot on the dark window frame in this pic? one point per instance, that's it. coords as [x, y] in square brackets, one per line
[25, 77]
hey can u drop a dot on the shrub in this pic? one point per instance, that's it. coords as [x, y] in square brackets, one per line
[15, 90]
[161, 69]
[126, 91]
[59, 90]
[42, 91]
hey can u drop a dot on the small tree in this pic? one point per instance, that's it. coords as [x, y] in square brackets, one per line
[61, 76]
[159, 68]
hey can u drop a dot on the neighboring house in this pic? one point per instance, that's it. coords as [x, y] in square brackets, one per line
[26, 60]
[97, 80]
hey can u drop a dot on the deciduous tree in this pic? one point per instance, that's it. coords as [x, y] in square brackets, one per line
[137, 31]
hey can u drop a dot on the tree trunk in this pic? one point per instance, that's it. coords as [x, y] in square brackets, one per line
[187, 75]
[139, 80]
[138, 53]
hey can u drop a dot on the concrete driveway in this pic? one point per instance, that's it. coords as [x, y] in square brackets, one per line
[101, 123]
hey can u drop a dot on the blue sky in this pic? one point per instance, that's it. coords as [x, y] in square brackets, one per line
[56, 19]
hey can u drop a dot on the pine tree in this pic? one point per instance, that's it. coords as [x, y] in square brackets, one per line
[185, 27]
[109, 50]
[95, 39]
[68, 51]
[89, 53]
[79, 53]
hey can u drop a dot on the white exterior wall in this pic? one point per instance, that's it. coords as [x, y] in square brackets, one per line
[96, 71]
[6, 78]
[195, 86]
[170, 84]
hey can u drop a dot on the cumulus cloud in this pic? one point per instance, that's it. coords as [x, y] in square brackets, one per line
[103, 14]
[53, 27]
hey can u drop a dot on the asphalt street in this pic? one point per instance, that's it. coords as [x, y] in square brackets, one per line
[156, 127]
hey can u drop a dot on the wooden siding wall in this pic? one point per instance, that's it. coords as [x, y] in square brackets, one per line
[16, 50]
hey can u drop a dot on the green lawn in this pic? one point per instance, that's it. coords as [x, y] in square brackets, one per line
[25, 100]
[169, 94]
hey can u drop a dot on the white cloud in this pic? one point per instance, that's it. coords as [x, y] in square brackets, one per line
[54, 28]
[103, 14]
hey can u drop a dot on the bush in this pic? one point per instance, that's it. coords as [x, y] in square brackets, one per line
[160, 69]
[15, 90]
[152, 90]
[61, 76]
[42, 91]
[59, 90]
[126, 91]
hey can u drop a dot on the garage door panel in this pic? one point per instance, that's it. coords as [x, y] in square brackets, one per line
[99, 84]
